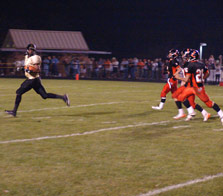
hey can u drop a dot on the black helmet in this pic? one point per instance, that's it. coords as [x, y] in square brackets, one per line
[173, 53]
[31, 47]
[194, 55]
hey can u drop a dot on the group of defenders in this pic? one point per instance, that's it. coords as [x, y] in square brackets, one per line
[194, 72]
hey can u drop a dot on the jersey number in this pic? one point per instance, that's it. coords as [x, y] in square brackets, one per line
[199, 76]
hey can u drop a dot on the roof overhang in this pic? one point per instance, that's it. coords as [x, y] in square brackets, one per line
[57, 51]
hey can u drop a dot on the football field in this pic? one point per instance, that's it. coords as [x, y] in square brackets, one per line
[109, 142]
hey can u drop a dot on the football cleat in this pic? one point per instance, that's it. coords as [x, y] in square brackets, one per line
[178, 116]
[11, 112]
[193, 114]
[156, 108]
[66, 99]
[189, 117]
[206, 116]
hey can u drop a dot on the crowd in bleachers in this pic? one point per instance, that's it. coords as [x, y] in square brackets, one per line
[110, 68]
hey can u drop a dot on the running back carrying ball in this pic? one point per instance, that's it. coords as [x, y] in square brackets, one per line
[33, 81]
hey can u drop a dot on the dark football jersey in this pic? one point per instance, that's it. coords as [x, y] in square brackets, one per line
[172, 68]
[184, 71]
[197, 71]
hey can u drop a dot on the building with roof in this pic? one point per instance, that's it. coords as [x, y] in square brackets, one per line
[69, 42]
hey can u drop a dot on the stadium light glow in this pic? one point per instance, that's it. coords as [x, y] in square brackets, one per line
[201, 48]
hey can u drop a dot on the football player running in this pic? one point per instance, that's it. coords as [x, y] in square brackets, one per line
[197, 72]
[185, 54]
[33, 81]
[171, 84]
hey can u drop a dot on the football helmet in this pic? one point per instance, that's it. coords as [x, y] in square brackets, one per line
[31, 47]
[173, 53]
[194, 55]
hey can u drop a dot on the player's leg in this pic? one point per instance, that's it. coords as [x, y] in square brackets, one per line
[205, 98]
[165, 90]
[25, 86]
[42, 92]
[205, 114]
[183, 98]
[181, 113]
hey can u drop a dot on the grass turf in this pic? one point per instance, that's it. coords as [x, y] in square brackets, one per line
[123, 161]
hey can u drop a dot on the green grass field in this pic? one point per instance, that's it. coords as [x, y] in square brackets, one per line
[119, 146]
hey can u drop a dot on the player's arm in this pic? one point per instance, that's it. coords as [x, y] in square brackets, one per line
[178, 70]
[206, 73]
[186, 79]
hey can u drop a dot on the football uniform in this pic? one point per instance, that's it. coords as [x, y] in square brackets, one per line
[196, 70]
[171, 84]
[33, 81]
[180, 90]
[32, 61]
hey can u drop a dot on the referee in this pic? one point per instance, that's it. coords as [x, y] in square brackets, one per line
[33, 81]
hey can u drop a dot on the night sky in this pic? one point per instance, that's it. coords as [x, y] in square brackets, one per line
[142, 28]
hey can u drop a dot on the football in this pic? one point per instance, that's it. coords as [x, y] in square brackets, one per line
[33, 68]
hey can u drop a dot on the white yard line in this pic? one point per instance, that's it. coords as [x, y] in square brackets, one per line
[112, 122]
[65, 107]
[182, 126]
[176, 186]
[80, 134]
[40, 118]
[77, 106]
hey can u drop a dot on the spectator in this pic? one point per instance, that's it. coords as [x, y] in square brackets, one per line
[160, 65]
[76, 66]
[108, 68]
[211, 67]
[124, 68]
[115, 66]
[154, 69]
[89, 67]
[134, 68]
[140, 67]
[95, 73]
[101, 68]
[217, 72]
[55, 62]
[149, 64]
[46, 65]
[145, 69]
[66, 66]
[83, 71]
[131, 69]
